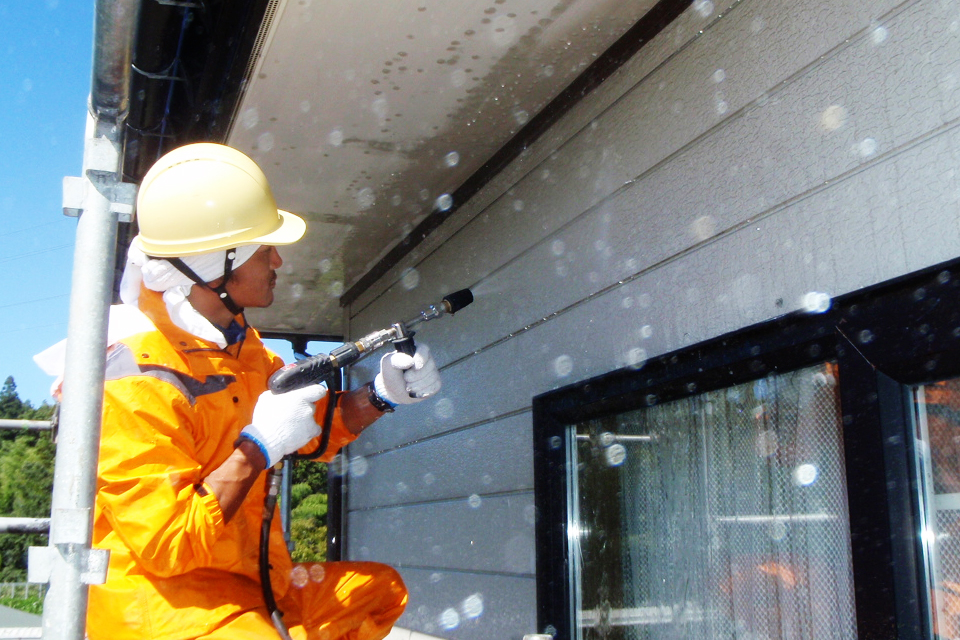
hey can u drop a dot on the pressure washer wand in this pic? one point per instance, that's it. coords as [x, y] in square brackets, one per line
[318, 367]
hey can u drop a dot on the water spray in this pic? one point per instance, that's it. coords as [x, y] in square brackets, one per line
[321, 368]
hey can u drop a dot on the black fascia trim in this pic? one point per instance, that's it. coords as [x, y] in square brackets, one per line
[645, 30]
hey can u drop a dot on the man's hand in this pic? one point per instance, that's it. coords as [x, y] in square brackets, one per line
[282, 423]
[404, 379]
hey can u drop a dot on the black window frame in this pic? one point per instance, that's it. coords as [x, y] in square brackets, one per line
[885, 339]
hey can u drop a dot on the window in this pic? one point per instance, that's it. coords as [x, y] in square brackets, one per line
[716, 516]
[937, 432]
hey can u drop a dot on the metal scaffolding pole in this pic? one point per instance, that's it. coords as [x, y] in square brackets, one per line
[99, 198]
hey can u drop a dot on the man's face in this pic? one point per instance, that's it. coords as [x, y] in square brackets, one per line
[252, 283]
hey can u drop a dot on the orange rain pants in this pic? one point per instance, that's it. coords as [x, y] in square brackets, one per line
[348, 600]
[173, 408]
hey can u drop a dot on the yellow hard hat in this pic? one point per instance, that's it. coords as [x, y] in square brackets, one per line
[207, 197]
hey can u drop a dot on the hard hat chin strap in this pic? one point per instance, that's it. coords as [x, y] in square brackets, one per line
[221, 289]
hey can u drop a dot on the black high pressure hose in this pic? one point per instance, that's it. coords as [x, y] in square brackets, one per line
[322, 368]
[274, 478]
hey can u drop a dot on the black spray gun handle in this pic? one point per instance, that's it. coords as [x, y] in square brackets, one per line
[316, 368]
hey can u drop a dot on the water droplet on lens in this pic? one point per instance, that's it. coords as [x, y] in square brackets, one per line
[359, 466]
[429, 478]
[366, 198]
[444, 202]
[719, 76]
[615, 455]
[474, 501]
[703, 7]
[704, 227]
[778, 530]
[250, 118]
[558, 247]
[410, 279]
[296, 291]
[444, 408]
[472, 606]
[317, 573]
[563, 366]
[265, 141]
[867, 147]
[452, 159]
[636, 357]
[805, 474]
[299, 576]
[865, 336]
[335, 137]
[833, 117]
[449, 619]
[815, 302]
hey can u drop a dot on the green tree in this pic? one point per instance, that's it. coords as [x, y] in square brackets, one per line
[308, 515]
[10, 404]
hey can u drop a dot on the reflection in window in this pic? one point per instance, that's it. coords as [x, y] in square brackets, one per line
[938, 436]
[721, 515]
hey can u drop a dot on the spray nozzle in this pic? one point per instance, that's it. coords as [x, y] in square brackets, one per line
[457, 300]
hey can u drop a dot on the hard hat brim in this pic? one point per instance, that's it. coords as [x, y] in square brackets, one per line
[291, 229]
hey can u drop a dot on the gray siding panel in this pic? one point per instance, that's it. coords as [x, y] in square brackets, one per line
[458, 465]
[707, 186]
[492, 534]
[469, 606]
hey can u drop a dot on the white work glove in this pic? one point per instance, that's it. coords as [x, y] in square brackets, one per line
[284, 422]
[404, 379]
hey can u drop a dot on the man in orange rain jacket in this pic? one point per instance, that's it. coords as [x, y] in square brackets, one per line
[189, 428]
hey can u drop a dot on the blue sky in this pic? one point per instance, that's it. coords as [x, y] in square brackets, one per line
[44, 84]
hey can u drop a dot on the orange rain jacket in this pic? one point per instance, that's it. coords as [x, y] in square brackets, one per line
[174, 405]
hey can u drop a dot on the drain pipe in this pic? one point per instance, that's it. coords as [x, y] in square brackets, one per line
[100, 200]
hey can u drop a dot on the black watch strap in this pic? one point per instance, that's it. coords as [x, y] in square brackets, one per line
[378, 403]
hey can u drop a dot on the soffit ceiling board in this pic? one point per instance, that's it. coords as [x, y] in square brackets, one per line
[364, 114]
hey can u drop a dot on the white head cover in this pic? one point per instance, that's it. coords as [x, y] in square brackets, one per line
[160, 275]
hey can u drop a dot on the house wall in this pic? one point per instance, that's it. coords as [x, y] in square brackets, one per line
[747, 156]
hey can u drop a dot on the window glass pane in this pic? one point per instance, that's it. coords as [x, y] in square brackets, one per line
[938, 436]
[721, 515]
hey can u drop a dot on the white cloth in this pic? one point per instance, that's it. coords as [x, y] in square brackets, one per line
[158, 275]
